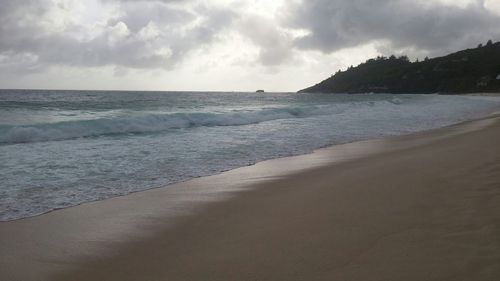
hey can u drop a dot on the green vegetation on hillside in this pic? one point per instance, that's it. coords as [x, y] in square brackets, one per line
[467, 71]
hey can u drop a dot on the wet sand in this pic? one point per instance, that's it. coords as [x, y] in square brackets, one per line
[418, 207]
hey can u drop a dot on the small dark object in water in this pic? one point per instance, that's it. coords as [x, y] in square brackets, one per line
[259, 91]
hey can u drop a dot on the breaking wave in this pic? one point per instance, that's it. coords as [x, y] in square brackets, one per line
[154, 123]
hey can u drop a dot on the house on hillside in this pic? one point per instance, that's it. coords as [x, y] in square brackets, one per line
[484, 81]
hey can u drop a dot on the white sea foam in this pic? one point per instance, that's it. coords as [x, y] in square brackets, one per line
[159, 122]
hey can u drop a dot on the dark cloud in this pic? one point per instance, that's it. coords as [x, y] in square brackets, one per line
[403, 24]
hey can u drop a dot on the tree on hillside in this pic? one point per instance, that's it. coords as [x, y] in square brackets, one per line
[404, 58]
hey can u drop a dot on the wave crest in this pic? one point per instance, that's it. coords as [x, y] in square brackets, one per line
[151, 123]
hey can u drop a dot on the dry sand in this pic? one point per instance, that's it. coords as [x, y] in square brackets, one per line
[419, 207]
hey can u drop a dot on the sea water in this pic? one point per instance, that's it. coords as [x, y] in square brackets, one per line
[63, 148]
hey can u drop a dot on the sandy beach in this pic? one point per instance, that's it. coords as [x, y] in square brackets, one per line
[419, 207]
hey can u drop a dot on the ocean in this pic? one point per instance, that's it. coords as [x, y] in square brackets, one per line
[63, 148]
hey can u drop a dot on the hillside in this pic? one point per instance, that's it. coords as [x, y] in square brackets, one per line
[470, 70]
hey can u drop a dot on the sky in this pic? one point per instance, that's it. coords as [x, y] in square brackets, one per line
[223, 45]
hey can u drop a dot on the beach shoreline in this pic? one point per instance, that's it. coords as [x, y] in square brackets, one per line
[217, 227]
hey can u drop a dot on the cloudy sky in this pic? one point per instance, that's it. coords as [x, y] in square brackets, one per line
[240, 45]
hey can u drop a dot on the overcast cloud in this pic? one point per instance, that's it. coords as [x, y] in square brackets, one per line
[263, 41]
[426, 26]
[138, 34]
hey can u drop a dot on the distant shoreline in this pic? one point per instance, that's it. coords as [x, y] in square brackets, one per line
[250, 92]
